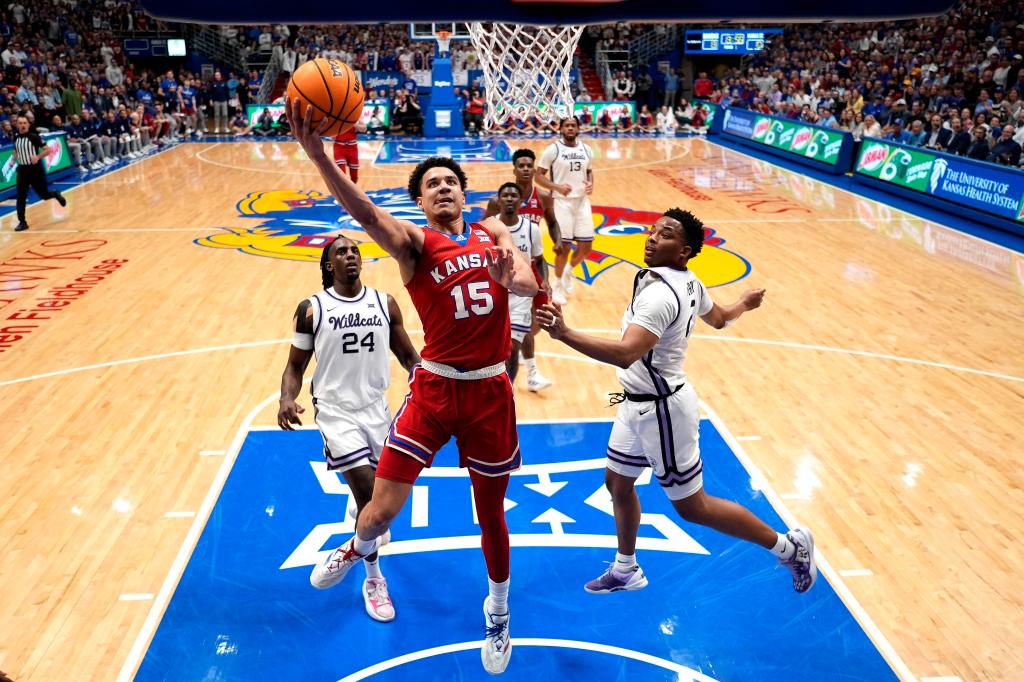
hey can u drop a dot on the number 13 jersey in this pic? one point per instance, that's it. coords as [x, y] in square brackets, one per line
[351, 339]
[463, 311]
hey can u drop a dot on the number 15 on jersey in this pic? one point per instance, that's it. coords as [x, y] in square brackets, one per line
[481, 302]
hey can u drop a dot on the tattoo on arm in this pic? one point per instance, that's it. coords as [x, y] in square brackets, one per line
[304, 317]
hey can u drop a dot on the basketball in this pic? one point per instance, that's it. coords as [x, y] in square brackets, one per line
[332, 89]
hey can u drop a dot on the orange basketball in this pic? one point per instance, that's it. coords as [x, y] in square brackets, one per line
[332, 89]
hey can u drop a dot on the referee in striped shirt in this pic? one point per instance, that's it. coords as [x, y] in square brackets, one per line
[29, 152]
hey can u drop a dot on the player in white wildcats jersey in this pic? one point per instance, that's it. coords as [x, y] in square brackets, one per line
[658, 418]
[565, 169]
[351, 328]
[526, 237]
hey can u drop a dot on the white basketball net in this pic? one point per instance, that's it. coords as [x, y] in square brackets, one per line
[526, 69]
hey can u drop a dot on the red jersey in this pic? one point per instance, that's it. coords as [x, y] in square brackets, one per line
[464, 312]
[347, 137]
[532, 207]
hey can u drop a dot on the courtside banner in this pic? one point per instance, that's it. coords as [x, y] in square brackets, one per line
[965, 183]
[825, 148]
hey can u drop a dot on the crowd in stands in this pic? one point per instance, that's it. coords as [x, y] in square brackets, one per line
[954, 83]
[365, 47]
[64, 69]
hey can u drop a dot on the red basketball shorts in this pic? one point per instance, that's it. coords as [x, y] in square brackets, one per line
[346, 154]
[480, 414]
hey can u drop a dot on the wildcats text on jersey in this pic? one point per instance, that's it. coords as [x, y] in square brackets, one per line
[354, 320]
[572, 154]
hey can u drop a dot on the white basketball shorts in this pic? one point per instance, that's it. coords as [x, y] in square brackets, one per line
[661, 434]
[520, 312]
[575, 218]
[352, 437]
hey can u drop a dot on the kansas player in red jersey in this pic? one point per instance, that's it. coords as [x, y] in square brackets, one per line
[457, 275]
[346, 151]
[537, 204]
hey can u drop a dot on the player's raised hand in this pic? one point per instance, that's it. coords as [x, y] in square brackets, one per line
[752, 298]
[550, 318]
[305, 132]
[288, 414]
[500, 264]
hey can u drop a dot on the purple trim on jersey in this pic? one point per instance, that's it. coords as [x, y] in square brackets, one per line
[354, 456]
[346, 300]
[683, 478]
[383, 308]
[320, 318]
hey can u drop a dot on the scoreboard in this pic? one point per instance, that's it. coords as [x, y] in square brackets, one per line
[729, 41]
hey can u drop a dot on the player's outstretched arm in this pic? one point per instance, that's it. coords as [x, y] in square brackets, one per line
[299, 355]
[635, 341]
[720, 316]
[399, 238]
[401, 346]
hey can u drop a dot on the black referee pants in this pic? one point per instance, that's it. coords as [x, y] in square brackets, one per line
[33, 176]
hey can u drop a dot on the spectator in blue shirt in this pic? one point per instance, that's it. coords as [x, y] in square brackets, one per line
[897, 133]
[145, 98]
[826, 119]
[233, 84]
[917, 135]
[875, 108]
[167, 81]
[25, 94]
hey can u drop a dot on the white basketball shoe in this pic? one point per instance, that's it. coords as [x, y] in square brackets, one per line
[802, 564]
[377, 600]
[558, 293]
[497, 648]
[567, 279]
[336, 566]
[535, 381]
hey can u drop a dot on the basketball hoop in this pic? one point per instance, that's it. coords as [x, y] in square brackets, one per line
[526, 70]
[443, 39]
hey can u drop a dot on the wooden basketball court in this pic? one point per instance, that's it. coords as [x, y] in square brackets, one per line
[880, 389]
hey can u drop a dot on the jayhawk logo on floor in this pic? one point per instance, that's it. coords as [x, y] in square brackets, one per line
[296, 224]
